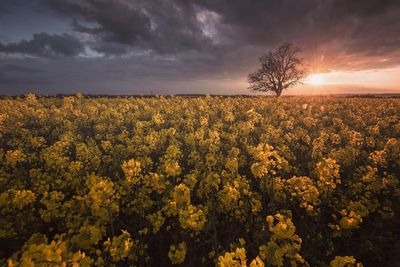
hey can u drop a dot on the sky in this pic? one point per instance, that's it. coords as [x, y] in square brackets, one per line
[194, 46]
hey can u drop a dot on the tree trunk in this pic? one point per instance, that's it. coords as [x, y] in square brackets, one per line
[279, 90]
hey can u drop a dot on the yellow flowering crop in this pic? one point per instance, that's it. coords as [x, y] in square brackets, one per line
[199, 181]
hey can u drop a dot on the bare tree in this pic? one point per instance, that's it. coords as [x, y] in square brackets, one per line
[279, 70]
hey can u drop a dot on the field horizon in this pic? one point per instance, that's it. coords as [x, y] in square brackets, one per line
[93, 95]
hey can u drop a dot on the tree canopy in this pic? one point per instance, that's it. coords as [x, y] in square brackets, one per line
[279, 70]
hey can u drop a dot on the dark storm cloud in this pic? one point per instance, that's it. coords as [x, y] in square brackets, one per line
[263, 22]
[342, 27]
[163, 26]
[161, 43]
[333, 27]
[360, 21]
[118, 20]
[44, 44]
[172, 27]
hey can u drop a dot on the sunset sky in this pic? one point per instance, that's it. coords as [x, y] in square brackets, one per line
[188, 46]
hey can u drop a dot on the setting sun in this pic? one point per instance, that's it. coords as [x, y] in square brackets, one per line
[315, 79]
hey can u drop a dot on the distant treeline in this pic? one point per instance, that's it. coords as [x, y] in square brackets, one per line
[396, 95]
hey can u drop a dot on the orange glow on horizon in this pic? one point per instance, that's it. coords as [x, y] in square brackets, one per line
[315, 79]
[385, 80]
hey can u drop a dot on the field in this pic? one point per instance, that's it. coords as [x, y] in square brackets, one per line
[202, 181]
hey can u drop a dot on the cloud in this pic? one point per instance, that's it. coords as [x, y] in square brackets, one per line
[139, 44]
[329, 27]
[165, 27]
[46, 45]
[332, 29]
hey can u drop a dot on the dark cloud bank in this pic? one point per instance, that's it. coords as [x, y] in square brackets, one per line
[141, 46]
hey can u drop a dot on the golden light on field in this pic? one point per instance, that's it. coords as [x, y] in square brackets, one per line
[315, 79]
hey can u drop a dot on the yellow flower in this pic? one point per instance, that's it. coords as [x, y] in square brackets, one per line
[177, 254]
